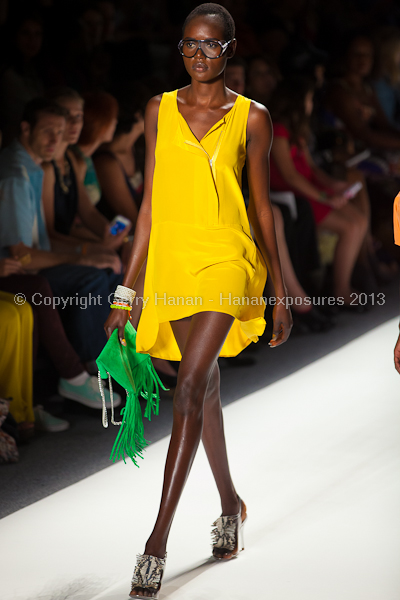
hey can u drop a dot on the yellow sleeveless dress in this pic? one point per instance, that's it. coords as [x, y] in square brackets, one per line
[201, 254]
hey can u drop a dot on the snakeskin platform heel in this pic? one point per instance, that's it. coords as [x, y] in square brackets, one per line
[227, 535]
[148, 574]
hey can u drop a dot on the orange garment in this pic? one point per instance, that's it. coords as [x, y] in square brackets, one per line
[396, 219]
[200, 243]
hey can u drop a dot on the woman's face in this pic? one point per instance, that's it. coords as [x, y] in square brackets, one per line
[199, 67]
[235, 78]
[74, 124]
[262, 80]
[360, 57]
[309, 103]
[29, 39]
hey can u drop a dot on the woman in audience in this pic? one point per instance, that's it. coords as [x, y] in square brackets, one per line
[99, 122]
[302, 237]
[292, 168]
[386, 81]
[120, 181]
[235, 74]
[262, 78]
[65, 197]
[355, 103]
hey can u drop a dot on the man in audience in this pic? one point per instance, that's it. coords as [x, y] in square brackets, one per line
[82, 283]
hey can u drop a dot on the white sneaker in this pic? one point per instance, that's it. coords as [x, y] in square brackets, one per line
[44, 421]
[87, 394]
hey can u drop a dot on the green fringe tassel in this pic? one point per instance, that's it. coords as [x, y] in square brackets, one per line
[130, 441]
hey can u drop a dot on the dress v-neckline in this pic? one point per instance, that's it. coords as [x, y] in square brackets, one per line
[212, 127]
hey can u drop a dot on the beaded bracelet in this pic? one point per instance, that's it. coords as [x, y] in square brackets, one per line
[126, 307]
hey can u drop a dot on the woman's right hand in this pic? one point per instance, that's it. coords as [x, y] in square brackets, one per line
[117, 319]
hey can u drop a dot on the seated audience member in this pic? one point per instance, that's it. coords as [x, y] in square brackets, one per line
[293, 169]
[306, 317]
[80, 279]
[262, 78]
[355, 103]
[120, 181]
[386, 82]
[75, 382]
[302, 239]
[235, 74]
[20, 80]
[65, 197]
[100, 116]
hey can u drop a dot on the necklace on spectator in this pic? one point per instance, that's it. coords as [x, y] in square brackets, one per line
[64, 180]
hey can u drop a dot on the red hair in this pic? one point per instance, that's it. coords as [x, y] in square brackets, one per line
[100, 110]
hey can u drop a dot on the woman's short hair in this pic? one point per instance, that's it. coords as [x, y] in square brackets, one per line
[209, 9]
[100, 110]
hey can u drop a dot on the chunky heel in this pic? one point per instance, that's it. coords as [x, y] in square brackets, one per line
[241, 534]
[228, 534]
[148, 573]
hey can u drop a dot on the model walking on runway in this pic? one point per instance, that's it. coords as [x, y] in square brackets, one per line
[204, 276]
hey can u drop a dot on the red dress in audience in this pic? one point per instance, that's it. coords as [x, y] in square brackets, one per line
[279, 184]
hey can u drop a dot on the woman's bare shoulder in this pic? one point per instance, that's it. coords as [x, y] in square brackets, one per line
[259, 120]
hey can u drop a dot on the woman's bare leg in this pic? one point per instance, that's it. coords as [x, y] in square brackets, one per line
[362, 203]
[293, 285]
[351, 226]
[213, 436]
[206, 335]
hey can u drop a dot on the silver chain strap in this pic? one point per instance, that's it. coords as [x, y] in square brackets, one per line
[104, 416]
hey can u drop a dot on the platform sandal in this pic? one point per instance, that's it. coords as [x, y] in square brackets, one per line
[147, 575]
[227, 535]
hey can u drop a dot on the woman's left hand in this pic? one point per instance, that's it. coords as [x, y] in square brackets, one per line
[338, 187]
[283, 324]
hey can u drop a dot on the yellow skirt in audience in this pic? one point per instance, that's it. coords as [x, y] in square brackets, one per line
[16, 328]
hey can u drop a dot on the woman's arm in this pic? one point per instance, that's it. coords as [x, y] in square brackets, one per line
[259, 137]
[143, 225]
[283, 159]
[91, 217]
[114, 187]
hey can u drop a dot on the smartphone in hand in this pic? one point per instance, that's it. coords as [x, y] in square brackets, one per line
[353, 190]
[118, 224]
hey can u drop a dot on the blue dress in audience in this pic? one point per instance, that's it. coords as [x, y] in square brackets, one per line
[389, 99]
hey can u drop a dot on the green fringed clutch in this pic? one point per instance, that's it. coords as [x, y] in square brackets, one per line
[134, 372]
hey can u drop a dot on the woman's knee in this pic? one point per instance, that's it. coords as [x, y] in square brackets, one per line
[190, 393]
[213, 388]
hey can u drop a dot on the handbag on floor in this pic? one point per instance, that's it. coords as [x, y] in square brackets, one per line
[135, 372]
[8, 447]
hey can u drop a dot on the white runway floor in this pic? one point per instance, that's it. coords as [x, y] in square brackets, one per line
[316, 457]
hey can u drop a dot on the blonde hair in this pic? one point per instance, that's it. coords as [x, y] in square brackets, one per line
[387, 47]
